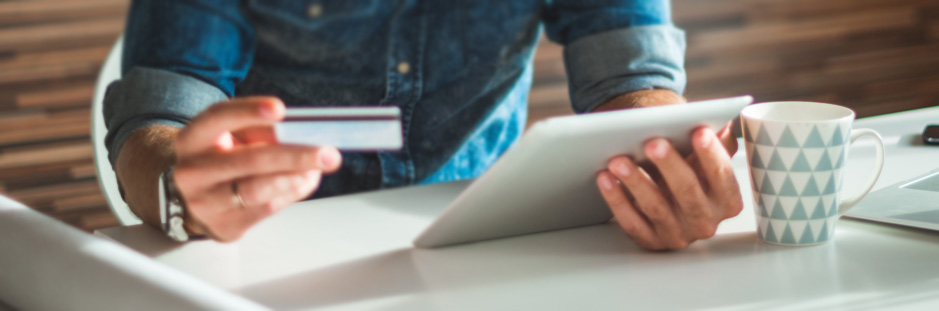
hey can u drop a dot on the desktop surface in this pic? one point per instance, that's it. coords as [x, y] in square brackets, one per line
[355, 252]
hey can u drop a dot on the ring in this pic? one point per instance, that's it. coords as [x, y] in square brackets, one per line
[236, 196]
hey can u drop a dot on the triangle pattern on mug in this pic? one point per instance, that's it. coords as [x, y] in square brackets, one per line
[756, 161]
[820, 212]
[837, 138]
[824, 164]
[811, 188]
[798, 212]
[814, 140]
[830, 187]
[787, 140]
[762, 138]
[801, 164]
[792, 155]
[795, 232]
[776, 163]
[795, 172]
[788, 237]
[807, 237]
[841, 158]
[770, 234]
[788, 189]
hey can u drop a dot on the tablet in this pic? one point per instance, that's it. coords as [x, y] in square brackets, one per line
[547, 181]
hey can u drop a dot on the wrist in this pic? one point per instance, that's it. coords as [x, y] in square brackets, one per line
[141, 161]
[643, 98]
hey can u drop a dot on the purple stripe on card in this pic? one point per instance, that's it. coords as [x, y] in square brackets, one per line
[340, 118]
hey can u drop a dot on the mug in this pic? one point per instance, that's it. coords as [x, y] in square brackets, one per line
[797, 152]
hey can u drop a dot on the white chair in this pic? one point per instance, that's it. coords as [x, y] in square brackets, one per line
[109, 72]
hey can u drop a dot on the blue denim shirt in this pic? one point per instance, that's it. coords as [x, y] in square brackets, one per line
[460, 71]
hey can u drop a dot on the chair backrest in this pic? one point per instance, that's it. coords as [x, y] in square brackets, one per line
[110, 72]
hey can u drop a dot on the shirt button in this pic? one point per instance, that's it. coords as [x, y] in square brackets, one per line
[404, 68]
[315, 10]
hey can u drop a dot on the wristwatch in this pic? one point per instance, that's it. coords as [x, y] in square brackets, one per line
[172, 211]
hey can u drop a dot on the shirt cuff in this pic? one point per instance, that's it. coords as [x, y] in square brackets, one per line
[147, 97]
[608, 64]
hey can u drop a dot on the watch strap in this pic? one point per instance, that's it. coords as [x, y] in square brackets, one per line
[172, 208]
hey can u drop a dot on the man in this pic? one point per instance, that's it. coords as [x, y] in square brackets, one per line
[204, 81]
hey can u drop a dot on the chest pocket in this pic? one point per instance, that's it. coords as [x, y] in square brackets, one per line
[319, 30]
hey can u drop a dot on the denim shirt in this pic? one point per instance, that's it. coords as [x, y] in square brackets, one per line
[460, 71]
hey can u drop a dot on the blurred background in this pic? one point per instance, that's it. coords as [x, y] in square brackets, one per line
[875, 56]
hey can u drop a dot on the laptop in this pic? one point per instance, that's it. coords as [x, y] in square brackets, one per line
[913, 203]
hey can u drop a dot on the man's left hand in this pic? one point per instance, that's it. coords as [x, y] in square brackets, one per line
[678, 200]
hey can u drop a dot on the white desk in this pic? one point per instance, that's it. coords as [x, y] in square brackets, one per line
[355, 252]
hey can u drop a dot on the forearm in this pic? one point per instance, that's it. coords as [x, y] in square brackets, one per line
[141, 160]
[615, 47]
[639, 99]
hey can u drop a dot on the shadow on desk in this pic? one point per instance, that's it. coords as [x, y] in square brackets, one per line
[149, 241]
[729, 271]
[5, 307]
[542, 256]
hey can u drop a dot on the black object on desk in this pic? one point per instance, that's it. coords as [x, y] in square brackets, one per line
[931, 134]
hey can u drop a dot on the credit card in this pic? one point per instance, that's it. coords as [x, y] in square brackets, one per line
[346, 128]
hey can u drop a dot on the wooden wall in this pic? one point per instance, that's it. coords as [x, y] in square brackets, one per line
[877, 56]
[50, 54]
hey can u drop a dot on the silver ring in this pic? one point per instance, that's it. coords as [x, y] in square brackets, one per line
[236, 196]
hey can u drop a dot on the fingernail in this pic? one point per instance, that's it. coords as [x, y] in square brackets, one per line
[657, 149]
[268, 110]
[329, 157]
[271, 109]
[705, 137]
[605, 182]
[622, 169]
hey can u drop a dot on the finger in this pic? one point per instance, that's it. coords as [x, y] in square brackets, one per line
[198, 173]
[633, 223]
[649, 201]
[219, 214]
[204, 131]
[272, 192]
[728, 139]
[682, 182]
[651, 172]
[715, 166]
[256, 134]
[226, 218]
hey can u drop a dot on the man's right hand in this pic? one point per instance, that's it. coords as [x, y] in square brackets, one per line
[227, 151]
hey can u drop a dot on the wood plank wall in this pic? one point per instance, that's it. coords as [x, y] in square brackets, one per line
[876, 56]
[50, 54]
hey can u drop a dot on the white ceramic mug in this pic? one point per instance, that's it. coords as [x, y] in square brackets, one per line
[796, 152]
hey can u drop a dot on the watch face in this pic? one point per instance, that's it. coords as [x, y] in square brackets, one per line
[176, 231]
[171, 209]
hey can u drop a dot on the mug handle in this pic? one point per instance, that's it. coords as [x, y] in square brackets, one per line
[848, 203]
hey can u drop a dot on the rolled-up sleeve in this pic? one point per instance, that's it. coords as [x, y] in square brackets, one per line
[613, 47]
[179, 57]
[147, 97]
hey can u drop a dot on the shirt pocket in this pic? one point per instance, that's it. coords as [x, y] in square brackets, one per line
[318, 29]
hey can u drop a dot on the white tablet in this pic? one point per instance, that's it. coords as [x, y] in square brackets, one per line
[547, 181]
